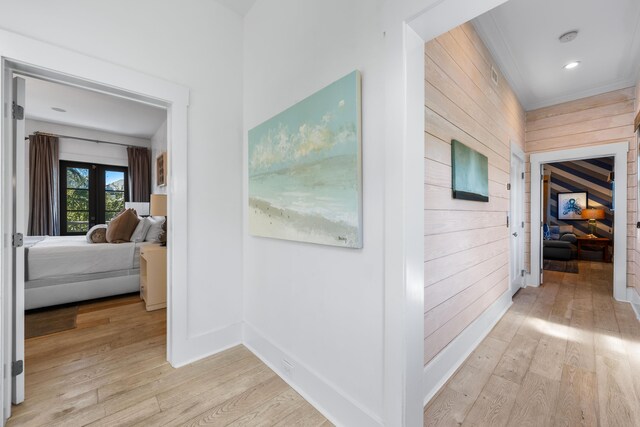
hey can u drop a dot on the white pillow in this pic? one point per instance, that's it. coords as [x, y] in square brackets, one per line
[91, 230]
[140, 233]
[156, 228]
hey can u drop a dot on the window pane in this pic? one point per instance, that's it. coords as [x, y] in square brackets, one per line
[114, 201]
[77, 178]
[114, 181]
[108, 216]
[78, 200]
[77, 222]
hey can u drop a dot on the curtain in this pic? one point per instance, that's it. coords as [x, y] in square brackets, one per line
[44, 186]
[139, 174]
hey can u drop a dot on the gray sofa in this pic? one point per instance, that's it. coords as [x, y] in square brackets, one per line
[563, 248]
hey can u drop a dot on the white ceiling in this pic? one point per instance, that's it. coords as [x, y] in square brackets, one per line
[91, 110]
[523, 36]
[239, 6]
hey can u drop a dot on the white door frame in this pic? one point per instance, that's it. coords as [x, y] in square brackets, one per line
[517, 185]
[620, 152]
[32, 56]
[407, 26]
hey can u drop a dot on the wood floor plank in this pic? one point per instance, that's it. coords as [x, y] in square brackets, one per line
[536, 401]
[112, 371]
[577, 400]
[516, 359]
[493, 406]
[617, 399]
[556, 364]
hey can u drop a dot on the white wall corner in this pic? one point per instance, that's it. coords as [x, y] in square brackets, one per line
[205, 345]
[339, 408]
[445, 364]
[634, 299]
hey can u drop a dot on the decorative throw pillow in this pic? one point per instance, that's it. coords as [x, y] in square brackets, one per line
[97, 234]
[122, 226]
[153, 235]
[140, 233]
[555, 232]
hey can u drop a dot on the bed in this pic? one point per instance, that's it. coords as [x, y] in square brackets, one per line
[66, 269]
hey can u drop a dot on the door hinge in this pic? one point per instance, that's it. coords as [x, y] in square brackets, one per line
[17, 240]
[507, 220]
[17, 368]
[522, 273]
[17, 111]
[522, 224]
[508, 186]
[522, 175]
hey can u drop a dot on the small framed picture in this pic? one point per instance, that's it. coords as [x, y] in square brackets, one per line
[161, 170]
[571, 205]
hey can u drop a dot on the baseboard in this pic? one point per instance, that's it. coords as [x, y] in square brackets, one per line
[205, 345]
[445, 364]
[333, 403]
[634, 299]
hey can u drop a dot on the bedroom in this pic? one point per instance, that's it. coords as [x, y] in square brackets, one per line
[95, 215]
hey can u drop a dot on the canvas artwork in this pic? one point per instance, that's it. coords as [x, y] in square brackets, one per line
[470, 173]
[570, 205]
[305, 173]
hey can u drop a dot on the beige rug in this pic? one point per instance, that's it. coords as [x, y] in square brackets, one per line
[49, 321]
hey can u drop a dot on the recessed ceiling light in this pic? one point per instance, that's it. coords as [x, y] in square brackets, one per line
[59, 110]
[571, 65]
[568, 37]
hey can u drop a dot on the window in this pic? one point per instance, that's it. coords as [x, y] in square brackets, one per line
[90, 194]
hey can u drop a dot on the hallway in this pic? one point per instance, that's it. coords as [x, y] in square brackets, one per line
[564, 354]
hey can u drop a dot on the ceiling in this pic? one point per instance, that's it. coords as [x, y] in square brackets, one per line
[522, 36]
[91, 110]
[239, 6]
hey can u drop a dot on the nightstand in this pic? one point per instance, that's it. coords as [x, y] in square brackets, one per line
[153, 276]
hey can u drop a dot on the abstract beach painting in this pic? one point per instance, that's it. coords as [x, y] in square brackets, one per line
[305, 169]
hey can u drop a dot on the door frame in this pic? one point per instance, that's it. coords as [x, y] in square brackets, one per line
[407, 26]
[618, 150]
[519, 250]
[32, 57]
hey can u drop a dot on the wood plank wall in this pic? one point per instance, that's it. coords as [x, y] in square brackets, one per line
[596, 120]
[636, 254]
[466, 243]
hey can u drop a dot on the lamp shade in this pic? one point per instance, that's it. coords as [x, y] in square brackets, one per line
[593, 213]
[158, 205]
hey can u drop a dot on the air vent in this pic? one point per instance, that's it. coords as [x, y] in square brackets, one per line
[494, 76]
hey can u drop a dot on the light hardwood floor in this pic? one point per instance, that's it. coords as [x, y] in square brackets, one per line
[565, 354]
[111, 371]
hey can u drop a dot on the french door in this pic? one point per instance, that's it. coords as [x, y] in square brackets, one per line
[90, 194]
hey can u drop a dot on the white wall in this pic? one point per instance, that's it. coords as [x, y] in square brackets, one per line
[319, 306]
[197, 44]
[158, 146]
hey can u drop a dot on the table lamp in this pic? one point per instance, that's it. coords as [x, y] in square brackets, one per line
[159, 208]
[592, 215]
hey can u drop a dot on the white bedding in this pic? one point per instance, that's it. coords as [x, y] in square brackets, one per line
[71, 255]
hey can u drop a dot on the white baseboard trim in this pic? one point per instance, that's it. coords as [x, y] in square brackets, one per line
[333, 403]
[634, 299]
[445, 364]
[205, 345]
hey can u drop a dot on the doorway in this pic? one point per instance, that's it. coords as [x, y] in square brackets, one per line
[517, 219]
[114, 81]
[618, 152]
